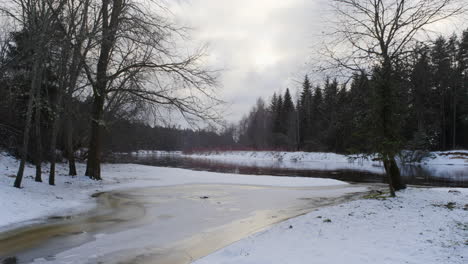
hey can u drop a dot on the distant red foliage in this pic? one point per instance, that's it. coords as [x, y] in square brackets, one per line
[229, 149]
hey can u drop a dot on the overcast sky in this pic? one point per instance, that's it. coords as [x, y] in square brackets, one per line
[263, 45]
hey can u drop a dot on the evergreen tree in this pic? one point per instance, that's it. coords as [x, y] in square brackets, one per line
[304, 111]
[288, 121]
[454, 88]
[343, 120]
[462, 92]
[429, 99]
[424, 133]
[276, 115]
[17, 86]
[441, 73]
[330, 114]
[258, 126]
[316, 117]
[274, 104]
[360, 105]
[277, 128]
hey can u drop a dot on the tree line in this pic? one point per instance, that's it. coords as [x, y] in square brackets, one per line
[70, 68]
[127, 136]
[431, 98]
[73, 70]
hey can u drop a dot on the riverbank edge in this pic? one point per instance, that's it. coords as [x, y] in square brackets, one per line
[420, 225]
[450, 157]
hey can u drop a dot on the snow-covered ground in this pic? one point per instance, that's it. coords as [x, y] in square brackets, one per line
[296, 160]
[454, 157]
[420, 226]
[442, 163]
[155, 152]
[73, 194]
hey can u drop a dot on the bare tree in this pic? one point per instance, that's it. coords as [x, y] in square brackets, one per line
[9, 133]
[5, 38]
[136, 55]
[37, 128]
[36, 19]
[73, 31]
[379, 34]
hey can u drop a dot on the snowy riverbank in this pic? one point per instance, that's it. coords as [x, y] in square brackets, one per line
[456, 157]
[442, 164]
[421, 225]
[452, 157]
[294, 160]
[72, 195]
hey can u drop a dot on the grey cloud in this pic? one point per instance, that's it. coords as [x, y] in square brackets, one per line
[262, 44]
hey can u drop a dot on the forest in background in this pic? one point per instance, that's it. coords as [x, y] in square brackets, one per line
[70, 71]
[332, 117]
[431, 103]
[90, 75]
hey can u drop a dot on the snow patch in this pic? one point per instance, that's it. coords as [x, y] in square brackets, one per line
[295, 160]
[419, 226]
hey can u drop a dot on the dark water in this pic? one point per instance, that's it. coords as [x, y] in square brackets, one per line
[424, 175]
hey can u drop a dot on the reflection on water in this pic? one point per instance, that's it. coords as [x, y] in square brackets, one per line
[426, 175]
[116, 211]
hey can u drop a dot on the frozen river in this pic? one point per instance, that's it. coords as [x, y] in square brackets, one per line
[181, 223]
[175, 224]
[422, 175]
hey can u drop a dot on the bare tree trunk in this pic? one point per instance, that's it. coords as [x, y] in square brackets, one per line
[55, 130]
[69, 149]
[110, 24]
[454, 135]
[24, 150]
[27, 126]
[69, 145]
[393, 175]
[64, 57]
[53, 143]
[73, 72]
[388, 131]
[123, 74]
[37, 128]
[93, 168]
[53, 157]
[390, 177]
[36, 18]
[443, 132]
